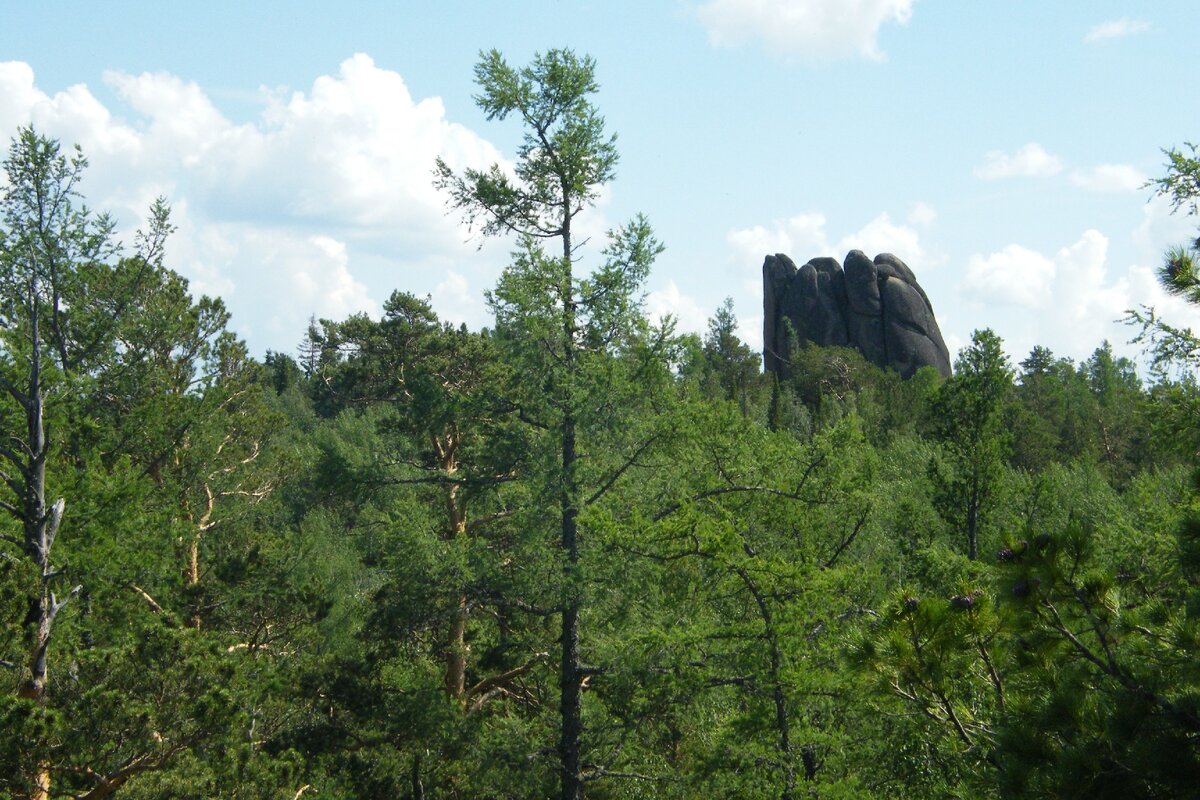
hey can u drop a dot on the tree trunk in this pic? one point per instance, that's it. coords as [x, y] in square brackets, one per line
[455, 679]
[192, 578]
[973, 523]
[40, 528]
[34, 688]
[782, 721]
[569, 675]
[41, 783]
[570, 704]
[418, 788]
[572, 723]
[456, 652]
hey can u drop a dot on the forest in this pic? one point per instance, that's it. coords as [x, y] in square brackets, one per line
[575, 554]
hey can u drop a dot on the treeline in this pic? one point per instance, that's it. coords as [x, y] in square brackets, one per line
[576, 554]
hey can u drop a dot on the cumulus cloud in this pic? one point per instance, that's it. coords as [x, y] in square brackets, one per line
[1032, 160]
[881, 235]
[321, 205]
[804, 29]
[804, 236]
[1160, 228]
[1109, 178]
[669, 300]
[922, 214]
[801, 233]
[456, 302]
[1072, 299]
[1067, 298]
[272, 279]
[1116, 29]
[1015, 275]
[355, 151]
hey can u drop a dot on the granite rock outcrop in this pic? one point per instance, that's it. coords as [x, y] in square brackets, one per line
[874, 305]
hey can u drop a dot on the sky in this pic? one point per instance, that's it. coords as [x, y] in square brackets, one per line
[999, 147]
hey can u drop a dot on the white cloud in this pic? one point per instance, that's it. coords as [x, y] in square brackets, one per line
[802, 233]
[1032, 160]
[750, 331]
[456, 303]
[804, 236]
[356, 151]
[1015, 275]
[1071, 300]
[954, 343]
[324, 281]
[1109, 178]
[804, 29]
[1116, 29]
[18, 94]
[688, 314]
[1160, 228]
[294, 276]
[322, 205]
[922, 214]
[881, 235]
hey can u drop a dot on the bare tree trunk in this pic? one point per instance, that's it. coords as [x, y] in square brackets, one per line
[192, 576]
[455, 680]
[456, 652]
[41, 783]
[40, 527]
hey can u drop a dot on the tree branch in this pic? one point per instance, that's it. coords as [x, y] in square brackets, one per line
[849, 539]
[146, 596]
[616, 476]
[723, 490]
[480, 690]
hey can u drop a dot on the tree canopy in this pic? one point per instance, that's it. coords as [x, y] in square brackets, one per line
[576, 553]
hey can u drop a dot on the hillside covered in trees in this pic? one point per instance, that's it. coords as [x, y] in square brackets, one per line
[575, 554]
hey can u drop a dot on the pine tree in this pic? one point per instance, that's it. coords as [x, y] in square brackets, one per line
[568, 337]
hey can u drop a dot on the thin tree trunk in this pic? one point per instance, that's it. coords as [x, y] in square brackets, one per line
[40, 529]
[569, 675]
[418, 788]
[456, 653]
[778, 695]
[455, 679]
[973, 522]
[192, 574]
[570, 689]
[36, 544]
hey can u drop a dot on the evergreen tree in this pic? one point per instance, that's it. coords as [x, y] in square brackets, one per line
[574, 342]
[731, 369]
[967, 418]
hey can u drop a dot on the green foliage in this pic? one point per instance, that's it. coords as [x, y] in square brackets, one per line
[1181, 184]
[1172, 347]
[563, 160]
[1055, 671]
[726, 368]
[576, 554]
[967, 418]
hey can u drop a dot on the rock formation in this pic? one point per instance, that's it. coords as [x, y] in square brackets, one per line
[875, 306]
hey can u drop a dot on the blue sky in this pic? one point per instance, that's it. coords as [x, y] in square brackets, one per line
[998, 147]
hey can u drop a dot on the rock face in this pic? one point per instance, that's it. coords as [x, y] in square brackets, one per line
[875, 306]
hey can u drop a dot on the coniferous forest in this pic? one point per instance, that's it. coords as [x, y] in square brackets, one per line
[575, 554]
